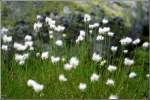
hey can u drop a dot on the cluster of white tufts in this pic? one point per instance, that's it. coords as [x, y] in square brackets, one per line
[36, 86]
[50, 22]
[7, 39]
[21, 58]
[55, 59]
[62, 78]
[128, 62]
[111, 68]
[96, 57]
[73, 62]
[125, 41]
[111, 34]
[82, 86]
[87, 18]
[19, 46]
[99, 37]
[44, 55]
[94, 77]
[103, 30]
[103, 62]
[110, 82]
[92, 26]
[81, 36]
[59, 28]
[29, 42]
[132, 75]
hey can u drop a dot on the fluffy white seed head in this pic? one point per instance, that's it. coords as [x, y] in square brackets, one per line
[111, 68]
[59, 42]
[96, 57]
[110, 82]
[82, 86]
[145, 44]
[128, 62]
[94, 77]
[62, 78]
[132, 75]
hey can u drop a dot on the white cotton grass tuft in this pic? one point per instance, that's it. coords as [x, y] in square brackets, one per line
[147, 75]
[7, 39]
[74, 61]
[4, 47]
[128, 62]
[20, 47]
[111, 68]
[82, 86]
[62, 78]
[87, 18]
[99, 37]
[103, 62]
[111, 97]
[145, 44]
[81, 36]
[136, 41]
[110, 82]
[59, 42]
[44, 55]
[68, 66]
[28, 38]
[55, 59]
[111, 34]
[103, 30]
[36, 86]
[37, 26]
[125, 41]
[114, 48]
[132, 75]
[96, 57]
[104, 21]
[94, 77]
[21, 58]
[125, 51]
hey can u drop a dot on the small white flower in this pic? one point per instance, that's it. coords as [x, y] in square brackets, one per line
[110, 82]
[68, 66]
[99, 37]
[132, 75]
[104, 21]
[80, 38]
[7, 39]
[22, 62]
[28, 38]
[87, 18]
[126, 41]
[82, 86]
[62, 78]
[128, 61]
[113, 97]
[110, 34]
[136, 41]
[145, 44]
[38, 17]
[44, 55]
[63, 59]
[94, 77]
[103, 62]
[125, 51]
[96, 57]
[55, 59]
[59, 28]
[112, 68]
[74, 61]
[114, 48]
[59, 42]
[4, 47]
